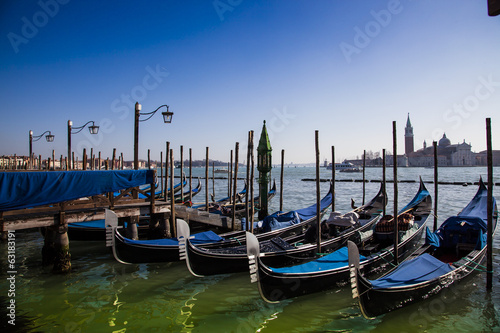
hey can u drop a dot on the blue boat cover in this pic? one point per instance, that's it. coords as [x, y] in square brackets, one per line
[199, 238]
[468, 227]
[337, 259]
[30, 189]
[309, 212]
[101, 224]
[279, 220]
[423, 268]
[421, 195]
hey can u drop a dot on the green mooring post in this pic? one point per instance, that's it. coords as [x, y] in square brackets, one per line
[264, 165]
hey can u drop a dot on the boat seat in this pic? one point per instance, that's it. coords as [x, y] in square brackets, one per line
[281, 243]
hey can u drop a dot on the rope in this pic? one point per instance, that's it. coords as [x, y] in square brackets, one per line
[236, 239]
[386, 260]
[484, 269]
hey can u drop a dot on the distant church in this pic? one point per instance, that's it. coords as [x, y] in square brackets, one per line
[459, 154]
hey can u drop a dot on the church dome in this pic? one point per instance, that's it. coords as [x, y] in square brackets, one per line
[444, 141]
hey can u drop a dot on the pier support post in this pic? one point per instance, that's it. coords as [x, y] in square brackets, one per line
[62, 259]
[132, 232]
[48, 249]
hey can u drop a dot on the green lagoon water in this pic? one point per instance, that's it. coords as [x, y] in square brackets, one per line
[102, 295]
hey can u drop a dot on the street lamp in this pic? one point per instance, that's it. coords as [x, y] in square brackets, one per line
[93, 129]
[167, 118]
[49, 137]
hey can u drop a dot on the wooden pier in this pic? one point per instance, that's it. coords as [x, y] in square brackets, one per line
[128, 204]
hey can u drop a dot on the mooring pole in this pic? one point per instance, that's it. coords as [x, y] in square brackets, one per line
[230, 176]
[247, 209]
[318, 197]
[236, 153]
[364, 166]
[182, 173]
[252, 168]
[395, 170]
[206, 181]
[161, 171]
[114, 159]
[167, 163]
[281, 177]
[489, 239]
[333, 178]
[172, 195]
[190, 174]
[434, 144]
[384, 179]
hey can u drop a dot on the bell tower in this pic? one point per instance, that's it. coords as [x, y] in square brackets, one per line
[409, 148]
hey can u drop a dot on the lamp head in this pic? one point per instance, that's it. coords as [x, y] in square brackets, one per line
[167, 116]
[93, 129]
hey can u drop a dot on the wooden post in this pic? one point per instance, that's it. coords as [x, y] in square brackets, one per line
[172, 195]
[230, 176]
[99, 161]
[92, 159]
[114, 159]
[236, 153]
[153, 218]
[149, 159]
[167, 154]
[161, 172]
[206, 181]
[73, 161]
[364, 166]
[247, 208]
[53, 160]
[489, 236]
[182, 172]
[48, 164]
[62, 260]
[213, 180]
[395, 170]
[121, 158]
[333, 178]
[84, 166]
[252, 169]
[434, 143]
[191, 175]
[384, 212]
[318, 197]
[39, 162]
[61, 163]
[281, 177]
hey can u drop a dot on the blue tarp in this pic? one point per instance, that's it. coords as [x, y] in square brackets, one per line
[30, 189]
[89, 224]
[470, 226]
[423, 268]
[279, 220]
[337, 259]
[421, 195]
[199, 238]
[309, 212]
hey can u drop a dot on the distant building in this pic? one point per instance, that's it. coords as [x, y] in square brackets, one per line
[448, 154]
[409, 148]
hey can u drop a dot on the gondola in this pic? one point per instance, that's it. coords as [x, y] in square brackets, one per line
[448, 256]
[179, 199]
[331, 271]
[227, 209]
[223, 201]
[280, 250]
[144, 251]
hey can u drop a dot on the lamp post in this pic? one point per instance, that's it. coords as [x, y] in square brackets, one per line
[49, 137]
[93, 129]
[167, 119]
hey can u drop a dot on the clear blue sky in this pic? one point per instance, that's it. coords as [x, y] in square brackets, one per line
[345, 68]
